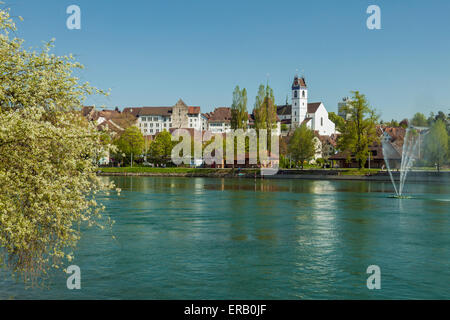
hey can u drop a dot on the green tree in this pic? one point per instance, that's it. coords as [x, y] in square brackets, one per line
[419, 120]
[131, 142]
[441, 116]
[359, 131]
[161, 148]
[265, 110]
[239, 109]
[48, 178]
[437, 144]
[338, 120]
[258, 111]
[404, 123]
[431, 119]
[301, 145]
[392, 123]
[265, 113]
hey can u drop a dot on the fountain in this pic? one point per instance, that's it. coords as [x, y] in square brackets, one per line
[408, 155]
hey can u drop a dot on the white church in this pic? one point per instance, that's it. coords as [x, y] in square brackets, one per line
[313, 114]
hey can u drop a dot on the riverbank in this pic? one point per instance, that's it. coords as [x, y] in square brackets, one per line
[309, 174]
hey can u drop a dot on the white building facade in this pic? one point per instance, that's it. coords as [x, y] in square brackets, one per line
[152, 120]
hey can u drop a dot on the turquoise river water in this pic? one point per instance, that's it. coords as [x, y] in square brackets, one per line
[206, 238]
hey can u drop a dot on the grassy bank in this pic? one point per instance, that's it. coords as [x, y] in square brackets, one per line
[177, 170]
[153, 170]
[310, 173]
[358, 172]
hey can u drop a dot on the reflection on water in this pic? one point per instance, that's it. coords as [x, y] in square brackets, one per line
[203, 238]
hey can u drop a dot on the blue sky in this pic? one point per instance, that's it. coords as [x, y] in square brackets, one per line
[155, 52]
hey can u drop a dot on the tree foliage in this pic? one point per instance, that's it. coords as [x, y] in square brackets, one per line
[301, 145]
[48, 181]
[359, 131]
[337, 120]
[239, 109]
[437, 144]
[131, 142]
[419, 120]
[265, 110]
[161, 148]
[393, 123]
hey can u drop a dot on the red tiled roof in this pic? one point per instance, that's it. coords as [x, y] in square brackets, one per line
[287, 108]
[221, 114]
[312, 107]
[397, 135]
[306, 121]
[133, 110]
[86, 110]
[110, 125]
[284, 110]
[155, 111]
[193, 110]
[158, 111]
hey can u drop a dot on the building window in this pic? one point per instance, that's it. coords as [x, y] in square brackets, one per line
[143, 118]
[295, 94]
[321, 122]
[303, 93]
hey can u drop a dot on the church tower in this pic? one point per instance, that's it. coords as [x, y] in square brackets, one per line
[299, 101]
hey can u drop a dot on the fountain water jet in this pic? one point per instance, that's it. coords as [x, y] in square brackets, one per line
[409, 154]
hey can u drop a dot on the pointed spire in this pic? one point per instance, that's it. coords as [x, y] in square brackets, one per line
[180, 101]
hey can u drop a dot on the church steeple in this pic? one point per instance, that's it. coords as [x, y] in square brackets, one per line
[298, 82]
[299, 101]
